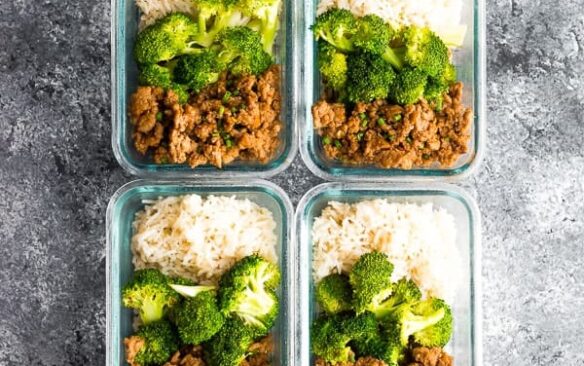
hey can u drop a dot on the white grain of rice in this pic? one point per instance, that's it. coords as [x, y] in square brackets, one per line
[151, 10]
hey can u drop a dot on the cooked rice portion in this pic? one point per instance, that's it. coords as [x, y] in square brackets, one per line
[200, 238]
[419, 240]
[150, 10]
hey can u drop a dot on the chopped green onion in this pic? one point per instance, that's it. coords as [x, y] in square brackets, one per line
[226, 96]
[409, 139]
[221, 111]
[381, 122]
[447, 139]
[363, 116]
[364, 123]
[233, 110]
[215, 134]
[360, 136]
[228, 143]
[235, 92]
[326, 140]
[397, 117]
[390, 137]
[159, 116]
[338, 144]
[425, 156]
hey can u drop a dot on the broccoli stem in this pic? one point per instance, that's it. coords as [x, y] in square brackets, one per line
[394, 57]
[151, 311]
[416, 323]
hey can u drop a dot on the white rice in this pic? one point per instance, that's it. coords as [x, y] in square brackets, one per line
[151, 10]
[419, 240]
[200, 238]
[441, 16]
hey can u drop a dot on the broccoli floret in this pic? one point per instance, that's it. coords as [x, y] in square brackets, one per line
[241, 49]
[265, 19]
[384, 345]
[230, 345]
[337, 27]
[332, 65]
[329, 340]
[198, 71]
[333, 294]
[198, 318]
[157, 343]
[371, 280]
[155, 75]
[169, 37]
[369, 77]
[373, 34]
[409, 86]
[150, 294]
[411, 318]
[437, 335]
[403, 291]
[437, 86]
[247, 291]
[425, 50]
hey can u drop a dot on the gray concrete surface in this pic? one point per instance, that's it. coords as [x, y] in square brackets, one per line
[57, 173]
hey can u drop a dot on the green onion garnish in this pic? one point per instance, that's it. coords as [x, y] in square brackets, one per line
[326, 140]
[381, 122]
[226, 96]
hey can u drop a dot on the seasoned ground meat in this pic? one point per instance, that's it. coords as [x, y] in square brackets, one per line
[133, 345]
[362, 361]
[235, 118]
[423, 356]
[393, 136]
[188, 356]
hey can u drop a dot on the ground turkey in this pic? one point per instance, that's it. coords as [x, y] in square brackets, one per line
[394, 136]
[423, 356]
[235, 118]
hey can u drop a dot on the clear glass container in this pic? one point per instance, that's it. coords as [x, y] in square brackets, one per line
[465, 345]
[470, 63]
[125, 19]
[120, 214]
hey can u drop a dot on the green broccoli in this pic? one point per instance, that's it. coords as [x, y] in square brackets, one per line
[241, 49]
[265, 19]
[329, 340]
[150, 294]
[337, 27]
[437, 335]
[373, 34]
[385, 346]
[333, 294]
[198, 318]
[230, 345]
[425, 50]
[369, 77]
[412, 318]
[332, 65]
[215, 15]
[438, 86]
[157, 343]
[409, 86]
[162, 76]
[169, 37]
[198, 71]
[371, 280]
[247, 291]
[403, 291]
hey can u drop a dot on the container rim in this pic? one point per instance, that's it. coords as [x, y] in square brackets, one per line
[304, 273]
[118, 83]
[350, 174]
[289, 239]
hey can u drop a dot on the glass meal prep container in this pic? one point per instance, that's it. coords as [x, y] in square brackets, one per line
[470, 64]
[121, 211]
[125, 19]
[465, 345]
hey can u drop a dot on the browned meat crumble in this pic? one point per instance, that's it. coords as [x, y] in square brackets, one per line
[235, 118]
[394, 136]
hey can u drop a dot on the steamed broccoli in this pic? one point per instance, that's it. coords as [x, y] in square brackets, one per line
[230, 345]
[337, 27]
[373, 34]
[162, 76]
[403, 291]
[369, 77]
[384, 345]
[330, 341]
[333, 294]
[215, 15]
[198, 71]
[265, 19]
[425, 50]
[438, 334]
[157, 342]
[412, 318]
[332, 65]
[371, 280]
[150, 294]
[241, 49]
[169, 37]
[439, 85]
[198, 318]
[409, 86]
[247, 291]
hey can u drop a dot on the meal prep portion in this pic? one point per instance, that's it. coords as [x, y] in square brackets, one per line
[385, 277]
[206, 282]
[391, 96]
[209, 85]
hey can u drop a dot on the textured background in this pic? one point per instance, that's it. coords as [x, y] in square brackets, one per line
[57, 173]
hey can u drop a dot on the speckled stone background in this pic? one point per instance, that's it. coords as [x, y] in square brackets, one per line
[57, 173]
